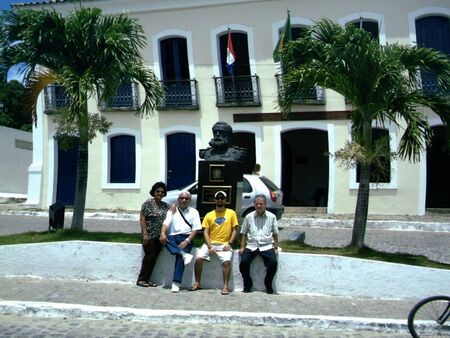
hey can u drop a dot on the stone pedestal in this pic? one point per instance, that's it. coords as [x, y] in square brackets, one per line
[214, 176]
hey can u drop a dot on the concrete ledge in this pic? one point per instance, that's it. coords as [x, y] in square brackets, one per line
[297, 273]
[47, 309]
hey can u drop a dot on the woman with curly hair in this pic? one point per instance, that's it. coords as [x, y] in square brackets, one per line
[153, 213]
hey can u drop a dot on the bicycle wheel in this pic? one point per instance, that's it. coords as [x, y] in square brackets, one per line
[427, 318]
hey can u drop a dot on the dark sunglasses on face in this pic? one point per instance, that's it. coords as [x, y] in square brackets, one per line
[220, 198]
[184, 198]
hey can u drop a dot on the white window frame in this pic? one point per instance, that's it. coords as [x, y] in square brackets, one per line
[368, 16]
[392, 145]
[106, 163]
[167, 34]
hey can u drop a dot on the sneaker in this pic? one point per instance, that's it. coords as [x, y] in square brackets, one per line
[175, 287]
[187, 258]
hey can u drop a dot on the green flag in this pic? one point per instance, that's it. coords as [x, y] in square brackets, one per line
[285, 37]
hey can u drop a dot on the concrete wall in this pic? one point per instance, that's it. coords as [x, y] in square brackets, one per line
[297, 273]
[16, 151]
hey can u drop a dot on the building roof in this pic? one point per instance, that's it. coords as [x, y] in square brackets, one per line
[31, 3]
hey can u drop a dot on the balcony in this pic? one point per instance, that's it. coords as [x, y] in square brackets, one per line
[430, 84]
[127, 98]
[179, 94]
[308, 96]
[55, 97]
[237, 91]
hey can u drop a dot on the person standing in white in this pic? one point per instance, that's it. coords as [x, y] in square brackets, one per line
[177, 233]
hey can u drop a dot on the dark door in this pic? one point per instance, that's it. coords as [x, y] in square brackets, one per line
[239, 87]
[175, 72]
[438, 168]
[246, 140]
[180, 160]
[67, 174]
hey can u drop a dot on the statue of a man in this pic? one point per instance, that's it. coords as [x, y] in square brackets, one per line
[221, 149]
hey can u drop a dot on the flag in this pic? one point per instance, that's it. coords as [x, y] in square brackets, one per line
[231, 55]
[285, 37]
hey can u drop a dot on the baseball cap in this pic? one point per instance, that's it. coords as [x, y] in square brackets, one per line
[220, 192]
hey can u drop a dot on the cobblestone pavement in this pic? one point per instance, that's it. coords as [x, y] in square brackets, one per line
[13, 326]
[131, 296]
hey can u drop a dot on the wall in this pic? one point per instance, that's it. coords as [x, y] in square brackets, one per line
[297, 273]
[16, 151]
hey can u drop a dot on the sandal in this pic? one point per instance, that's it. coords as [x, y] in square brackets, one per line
[150, 283]
[225, 292]
[195, 287]
[143, 283]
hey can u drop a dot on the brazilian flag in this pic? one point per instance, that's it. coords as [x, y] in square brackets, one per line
[285, 37]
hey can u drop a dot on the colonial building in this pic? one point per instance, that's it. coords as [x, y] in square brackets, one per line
[187, 42]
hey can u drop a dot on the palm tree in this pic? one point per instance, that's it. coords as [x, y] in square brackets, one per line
[82, 51]
[381, 82]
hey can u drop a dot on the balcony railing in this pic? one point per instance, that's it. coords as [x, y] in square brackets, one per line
[310, 96]
[430, 84]
[179, 94]
[127, 98]
[237, 91]
[55, 97]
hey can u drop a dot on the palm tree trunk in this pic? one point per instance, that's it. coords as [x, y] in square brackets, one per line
[362, 202]
[82, 169]
[81, 187]
[362, 208]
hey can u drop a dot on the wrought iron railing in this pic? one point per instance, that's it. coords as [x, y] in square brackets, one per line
[127, 98]
[179, 94]
[55, 97]
[430, 84]
[237, 91]
[312, 95]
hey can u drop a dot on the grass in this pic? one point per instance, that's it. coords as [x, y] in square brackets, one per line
[288, 246]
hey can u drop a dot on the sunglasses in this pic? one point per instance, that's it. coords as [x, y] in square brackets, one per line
[221, 198]
[184, 198]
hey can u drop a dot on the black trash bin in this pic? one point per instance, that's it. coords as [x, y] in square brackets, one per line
[56, 216]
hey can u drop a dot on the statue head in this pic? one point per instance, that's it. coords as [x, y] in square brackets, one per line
[221, 135]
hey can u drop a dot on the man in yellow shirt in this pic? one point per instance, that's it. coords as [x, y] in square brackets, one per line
[219, 231]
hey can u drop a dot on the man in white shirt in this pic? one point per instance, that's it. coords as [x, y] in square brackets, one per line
[177, 233]
[259, 237]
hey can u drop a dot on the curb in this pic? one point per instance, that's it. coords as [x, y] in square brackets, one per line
[64, 310]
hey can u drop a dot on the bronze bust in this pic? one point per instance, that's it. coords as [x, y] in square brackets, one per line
[221, 149]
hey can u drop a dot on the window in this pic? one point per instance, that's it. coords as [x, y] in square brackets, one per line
[368, 26]
[383, 179]
[180, 91]
[312, 95]
[433, 32]
[122, 159]
[382, 173]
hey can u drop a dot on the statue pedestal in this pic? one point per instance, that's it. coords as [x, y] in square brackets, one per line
[214, 176]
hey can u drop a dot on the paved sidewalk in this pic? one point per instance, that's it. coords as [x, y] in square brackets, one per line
[125, 301]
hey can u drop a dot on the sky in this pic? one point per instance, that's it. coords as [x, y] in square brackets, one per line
[4, 4]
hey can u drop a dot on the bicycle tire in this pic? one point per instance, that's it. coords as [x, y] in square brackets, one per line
[422, 319]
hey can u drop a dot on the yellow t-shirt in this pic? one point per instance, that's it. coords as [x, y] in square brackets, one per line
[220, 225]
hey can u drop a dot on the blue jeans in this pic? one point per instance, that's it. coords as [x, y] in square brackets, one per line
[172, 246]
